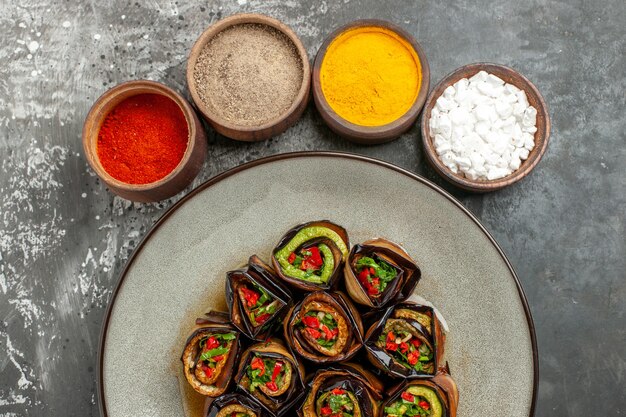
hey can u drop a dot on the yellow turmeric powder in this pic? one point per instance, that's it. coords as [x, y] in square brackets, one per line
[370, 76]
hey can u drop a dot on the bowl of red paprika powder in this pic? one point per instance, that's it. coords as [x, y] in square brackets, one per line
[144, 140]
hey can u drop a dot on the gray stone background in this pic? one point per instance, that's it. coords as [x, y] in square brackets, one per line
[64, 237]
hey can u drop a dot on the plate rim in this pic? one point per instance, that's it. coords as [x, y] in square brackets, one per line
[307, 154]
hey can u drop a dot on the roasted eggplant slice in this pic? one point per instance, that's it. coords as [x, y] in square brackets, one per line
[232, 405]
[271, 374]
[379, 272]
[256, 300]
[435, 397]
[210, 354]
[324, 327]
[345, 390]
[310, 256]
[407, 341]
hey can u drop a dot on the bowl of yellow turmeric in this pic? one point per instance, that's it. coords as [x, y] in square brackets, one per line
[370, 81]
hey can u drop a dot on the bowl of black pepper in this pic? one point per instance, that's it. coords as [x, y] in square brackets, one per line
[249, 76]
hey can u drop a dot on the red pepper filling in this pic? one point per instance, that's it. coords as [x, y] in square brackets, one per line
[259, 373]
[374, 275]
[258, 303]
[320, 326]
[251, 296]
[214, 349]
[308, 259]
[408, 405]
[336, 403]
[407, 349]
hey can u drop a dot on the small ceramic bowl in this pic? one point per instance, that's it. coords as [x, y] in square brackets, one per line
[535, 99]
[274, 126]
[176, 180]
[370, 135]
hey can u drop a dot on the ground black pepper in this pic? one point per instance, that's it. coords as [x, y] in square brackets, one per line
[249, 74]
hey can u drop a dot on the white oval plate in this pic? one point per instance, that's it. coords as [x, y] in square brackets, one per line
[178, 271]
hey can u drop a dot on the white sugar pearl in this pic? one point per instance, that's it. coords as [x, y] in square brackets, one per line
[496, 91]
[439, 140]
[511, 89]
[495, 173]
[463, 163]
[449, 93]
[499, 147]
[433, 126]
[480, 76]
[477, 160]
[461, 90]
[482, 128]
[504, 109]
[517, 132]
[515, 163]
[518, 141]
[471, 174]
[483, 112]
[443, 104]
[459, 116]
[518, 110]
[485, 88]
[529, 144]
[523, 154]
[447, 158]
[457, 133]
[445, 125]
[494, 80]
[521, 98]
[530, 117]
[509, 98]
[502, 162]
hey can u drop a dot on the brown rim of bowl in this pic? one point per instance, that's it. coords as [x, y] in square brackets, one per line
[107, 102]
[218, 122]
[370, 134]
[542, 135]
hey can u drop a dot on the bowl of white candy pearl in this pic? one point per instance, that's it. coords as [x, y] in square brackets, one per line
[484, 126]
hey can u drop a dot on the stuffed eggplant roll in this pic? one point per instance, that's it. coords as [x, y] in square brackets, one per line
[324, 327]
[407, 341]
[310, 256]
[379, 272]
[232, 405]
[256, 300]
[272, 375]
[436, 397]
[342, 390]
[210, 354]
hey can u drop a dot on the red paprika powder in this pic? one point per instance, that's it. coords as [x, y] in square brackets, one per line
[143, 139]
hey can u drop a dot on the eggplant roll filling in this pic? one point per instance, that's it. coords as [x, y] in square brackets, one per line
[407, 345]
[270, 375]
[236, 410]
[208, 360]
[212, 356]
[337, 402]
[231, 405]
[322, 328]
[344, 390]
[374, 275]
[311, 263]
[415, 400]
[258, 304]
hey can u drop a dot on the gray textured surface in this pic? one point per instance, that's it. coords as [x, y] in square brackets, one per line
[64, 237]
[465, 278]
